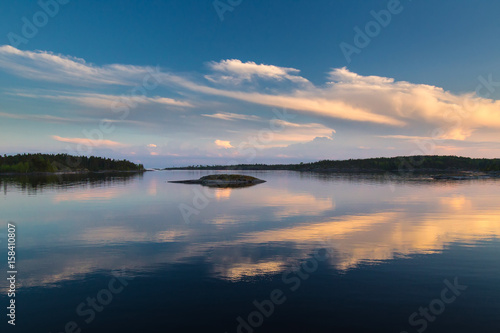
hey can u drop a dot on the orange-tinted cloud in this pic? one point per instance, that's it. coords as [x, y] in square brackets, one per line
[223, 144]
[89, 142]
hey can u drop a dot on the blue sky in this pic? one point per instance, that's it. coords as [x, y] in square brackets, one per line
[171, 83]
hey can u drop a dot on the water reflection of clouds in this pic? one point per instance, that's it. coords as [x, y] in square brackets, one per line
[413, 220]
[372, 238]
[122, 235]
[457, 202]
[288, 204]
[281, 205]
[244, 270]
[95, 194]
[354, 240]
[222, 193]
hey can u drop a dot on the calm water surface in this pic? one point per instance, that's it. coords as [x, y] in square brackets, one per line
[301, 253]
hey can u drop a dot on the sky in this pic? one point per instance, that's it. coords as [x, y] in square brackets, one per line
[197, 82]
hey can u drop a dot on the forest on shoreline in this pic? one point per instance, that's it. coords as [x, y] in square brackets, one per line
[49, 163]
[422, 163]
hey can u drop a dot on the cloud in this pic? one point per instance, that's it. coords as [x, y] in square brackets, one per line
[264, 133]
[232, 116]
[223, 144]
[152, 145]
[378, 100]
[104, 101]
[393, 107]
[457, 116]
[241, 144]
[43, 117]
[298, 132]
[406, 137]
[46, 66]
[316, 148]
[71, 120]
[169, 101]
[236, 71]
[90, 142]
[313, 101]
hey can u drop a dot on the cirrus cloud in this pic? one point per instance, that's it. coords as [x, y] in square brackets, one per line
[47, 66]
[90, 142]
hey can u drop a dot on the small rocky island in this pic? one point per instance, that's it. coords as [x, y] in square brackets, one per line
[223, 180]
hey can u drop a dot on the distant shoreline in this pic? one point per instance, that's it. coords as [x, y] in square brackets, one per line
[353, 171]
[422, 164]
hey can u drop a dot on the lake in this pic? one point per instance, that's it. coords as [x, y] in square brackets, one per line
[302, 252]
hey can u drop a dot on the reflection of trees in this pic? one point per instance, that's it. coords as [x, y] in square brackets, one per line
[33, 183]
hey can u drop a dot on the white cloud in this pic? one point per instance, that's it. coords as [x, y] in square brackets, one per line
[379, 100]
[406, 137]
[223, 144]
[232, 116]
[395, 106]
[314, 101]
[236, 71]
[104, 101]
[168, 101]
[298, 132]
[46, 66]
[42, 117]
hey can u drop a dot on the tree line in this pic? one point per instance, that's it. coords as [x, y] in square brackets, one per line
[380, 164]
[26, 163]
